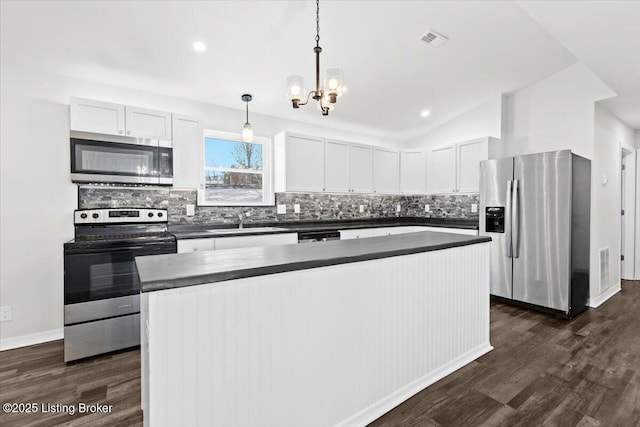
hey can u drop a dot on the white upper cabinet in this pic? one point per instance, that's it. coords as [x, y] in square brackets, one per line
[456, 168]
[361, 166]
[88, 115]
[441, 172]
[145, 123]
[188, 146]
[470, 154]
[413, 171]
[386, 167]
[336, 166]
[299, 163]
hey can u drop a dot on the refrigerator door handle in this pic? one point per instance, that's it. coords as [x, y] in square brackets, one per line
[508, 218]
[515, 219]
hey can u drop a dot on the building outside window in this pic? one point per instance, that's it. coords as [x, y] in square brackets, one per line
[236, 173]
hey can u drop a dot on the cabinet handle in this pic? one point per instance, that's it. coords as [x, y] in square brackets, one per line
[120, 132]
[323, 189]
[128, 132]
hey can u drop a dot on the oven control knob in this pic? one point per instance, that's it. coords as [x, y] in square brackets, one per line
[160, 214]
[83, 215]
[95, 215]
[150, 214]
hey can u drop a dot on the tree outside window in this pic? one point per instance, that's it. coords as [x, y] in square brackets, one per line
[236, 173]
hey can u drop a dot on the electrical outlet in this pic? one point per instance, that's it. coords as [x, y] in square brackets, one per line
[6, 313]
[281, 209]
[426, 208]
[398, 207]
[191, 210]
[474, 207]
[361, 208]
[296, 208]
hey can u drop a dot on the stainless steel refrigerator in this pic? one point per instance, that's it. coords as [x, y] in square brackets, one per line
[536, 209]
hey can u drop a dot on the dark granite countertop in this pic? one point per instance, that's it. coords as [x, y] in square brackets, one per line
[159, 272]
[195, 231]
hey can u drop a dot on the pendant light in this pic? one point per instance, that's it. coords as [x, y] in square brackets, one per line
[333, 88]
[247, 130]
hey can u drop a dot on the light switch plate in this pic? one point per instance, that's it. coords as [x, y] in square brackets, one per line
[191, 210]
[296, 208]
[474, 207]
[361, 208]
[282, 209]
[426, 208]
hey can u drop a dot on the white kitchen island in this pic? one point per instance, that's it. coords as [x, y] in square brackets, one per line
[330, 334]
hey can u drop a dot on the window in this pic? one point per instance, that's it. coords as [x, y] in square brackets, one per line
[236, 173]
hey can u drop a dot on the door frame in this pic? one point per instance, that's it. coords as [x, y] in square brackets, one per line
[628, 201]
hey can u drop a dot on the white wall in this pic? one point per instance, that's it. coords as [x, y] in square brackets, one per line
[553, 114]
[609, 135]
[38, 198]
[483, 120]
[638, 138]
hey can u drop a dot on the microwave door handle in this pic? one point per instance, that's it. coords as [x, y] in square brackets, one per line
[515, 220]
[507, 215]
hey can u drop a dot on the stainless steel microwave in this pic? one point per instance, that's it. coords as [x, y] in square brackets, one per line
[122, 160]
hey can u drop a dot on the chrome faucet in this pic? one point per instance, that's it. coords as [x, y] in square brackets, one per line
[243, 216]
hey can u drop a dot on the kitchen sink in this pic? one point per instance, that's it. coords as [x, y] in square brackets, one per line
[245, 230]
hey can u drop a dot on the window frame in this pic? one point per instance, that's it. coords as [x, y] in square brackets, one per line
[268, 194]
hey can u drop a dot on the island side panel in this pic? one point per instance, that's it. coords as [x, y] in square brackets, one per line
[336, 345]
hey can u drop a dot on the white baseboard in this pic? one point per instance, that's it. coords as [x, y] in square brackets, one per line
[600, 299]
[381, 407]
[31, 339]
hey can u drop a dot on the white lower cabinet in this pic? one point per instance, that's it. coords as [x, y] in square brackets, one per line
[258, 240]
[375, 232]
[195, 245]
[467, 231]
[233, 242]
[356, 234]
[389, 231]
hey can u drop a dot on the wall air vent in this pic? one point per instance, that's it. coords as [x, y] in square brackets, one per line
[433, 38]
[604, 269]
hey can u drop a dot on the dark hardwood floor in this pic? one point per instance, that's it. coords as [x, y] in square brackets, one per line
[543, 371]
[38, 374]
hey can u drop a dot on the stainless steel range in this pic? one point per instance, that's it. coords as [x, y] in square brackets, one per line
[101, 286]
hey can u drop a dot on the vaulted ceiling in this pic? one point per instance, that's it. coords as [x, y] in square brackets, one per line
[391, 76]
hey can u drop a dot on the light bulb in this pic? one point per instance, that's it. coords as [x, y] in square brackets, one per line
[199, 46]
[295, 88]
[247, 132]
[333, 82]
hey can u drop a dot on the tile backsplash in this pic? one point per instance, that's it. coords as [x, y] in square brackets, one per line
[313, 206]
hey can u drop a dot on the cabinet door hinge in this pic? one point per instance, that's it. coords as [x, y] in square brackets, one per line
[622, 212]
[621, 257]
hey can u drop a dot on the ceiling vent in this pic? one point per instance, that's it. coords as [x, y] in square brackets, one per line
[433, 38]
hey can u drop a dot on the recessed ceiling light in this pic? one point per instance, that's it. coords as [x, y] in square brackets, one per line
[425, 113]
[199, 46]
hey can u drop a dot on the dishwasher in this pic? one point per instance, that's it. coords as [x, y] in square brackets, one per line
[317, 236]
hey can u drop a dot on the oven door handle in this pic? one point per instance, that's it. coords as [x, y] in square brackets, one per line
[153, 248]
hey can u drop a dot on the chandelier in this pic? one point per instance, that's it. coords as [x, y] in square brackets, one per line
[334, 86]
